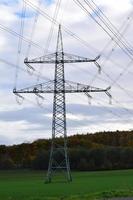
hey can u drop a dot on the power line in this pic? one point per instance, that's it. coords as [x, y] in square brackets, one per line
[125, 25]
[50, 33]
[20, 42]
[33, 28]
[15, 34]
[106, 108]
[45, 15]
[52, 25]
[119, 39]
[22, 69]
[10, 64]
[115, 34]
[23, 38]
[56, 23]
[42, 77]
[110, 24]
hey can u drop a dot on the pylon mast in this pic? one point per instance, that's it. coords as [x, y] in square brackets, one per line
[59, 159]
[59, 116]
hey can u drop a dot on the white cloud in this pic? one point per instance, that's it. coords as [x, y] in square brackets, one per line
[116, 6]
[81, 24]
[6, 14]
[79, 117]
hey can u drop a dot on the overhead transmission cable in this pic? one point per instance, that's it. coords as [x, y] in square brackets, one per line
[50, 34]
[3, 28]
[114, 82]
[109, 31]
[109, 55]
[118, 115]
[122, 30]
[20, 42]
[22, 69]
[119, 39]
[56, 23]
[57, 8]
[120, 36]
[33, 29]
[64, 27]
[13, 65]
[15, 34]
[86, 44]
[67, 30]
[66, 3]
[108, 21]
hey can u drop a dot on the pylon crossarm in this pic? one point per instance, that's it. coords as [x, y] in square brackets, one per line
[36, 89]
[70, 87]
[71, 58]
[67, 58]
[50, 58]
[74, 87]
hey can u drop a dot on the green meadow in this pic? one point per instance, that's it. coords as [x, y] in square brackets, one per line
[30, 185]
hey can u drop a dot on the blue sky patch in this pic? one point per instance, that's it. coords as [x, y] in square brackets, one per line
[48, 2]
[28, 14]
[9, 2]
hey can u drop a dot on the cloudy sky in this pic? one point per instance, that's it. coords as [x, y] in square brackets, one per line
[89, 29]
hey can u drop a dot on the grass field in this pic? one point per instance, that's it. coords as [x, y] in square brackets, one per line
[29, 185]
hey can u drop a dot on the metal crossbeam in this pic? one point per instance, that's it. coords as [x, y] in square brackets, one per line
[70, 87]
[59, 159]
[67, 58]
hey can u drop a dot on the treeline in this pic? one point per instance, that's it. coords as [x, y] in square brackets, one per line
[99, 151]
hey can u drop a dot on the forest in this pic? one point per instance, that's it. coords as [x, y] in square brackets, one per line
[87, 152]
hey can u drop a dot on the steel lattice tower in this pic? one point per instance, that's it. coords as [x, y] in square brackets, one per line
[59, 159]
[59, 115]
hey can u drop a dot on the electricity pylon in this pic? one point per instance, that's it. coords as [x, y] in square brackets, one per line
[59, 159]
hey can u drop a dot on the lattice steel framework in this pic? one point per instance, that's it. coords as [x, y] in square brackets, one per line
[59, 116]
[59, 159]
